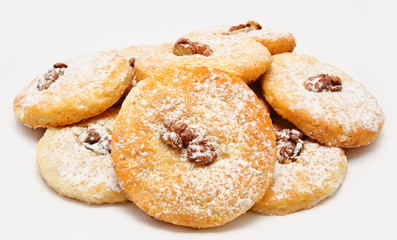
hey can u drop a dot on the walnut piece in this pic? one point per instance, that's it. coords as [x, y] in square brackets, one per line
[173, 139]
[289, 145]
[175, 126]
[131, 62]
[201, 152]
[97, 139]
[248, 27]
[184, 47]
[51, 76]
[187, 136]
[92, 136]
[60, 65]
[177, 134]
[180, 136]
[323, 82]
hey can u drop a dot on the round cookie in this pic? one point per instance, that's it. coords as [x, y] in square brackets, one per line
[193, 146]
[275, 40]
[244, 58]
[75, 160]
[74, 90]
[322, 101]
[306, 173]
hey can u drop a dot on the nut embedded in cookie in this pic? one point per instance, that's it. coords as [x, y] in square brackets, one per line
[51, 76]
[184, 46]
[249, 26]
[289, 145]
[229, 150]
[97, 138]
[180, 136]
[202, 152]
[323, 82]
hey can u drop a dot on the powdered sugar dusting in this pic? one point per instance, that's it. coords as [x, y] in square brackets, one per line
[265, 32]
[242, 57]
[313, 170]
[89, 82]
[77, 166]
[221, 112]
[351, 108]
[89, 69]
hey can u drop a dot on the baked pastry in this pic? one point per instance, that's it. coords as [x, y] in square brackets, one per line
[245, 58]
[306, 172]
[193, 146]
[275, 40]
[322, 101]
[135, 51]
[74, 90]
[131, 53]
[75, 160]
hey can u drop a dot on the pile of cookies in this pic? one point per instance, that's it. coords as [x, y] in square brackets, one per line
[197, 132]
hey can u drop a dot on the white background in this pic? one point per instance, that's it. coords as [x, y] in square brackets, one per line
[358, 37]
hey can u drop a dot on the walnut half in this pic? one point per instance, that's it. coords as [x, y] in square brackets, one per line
[248, 27]
[289, 145]
[323, 82]
[177, 134]
[97, 138]
[51, 76]
[180, 136]
[201, 152]
[184, 46]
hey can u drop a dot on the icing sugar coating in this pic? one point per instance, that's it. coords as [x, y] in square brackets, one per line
[275, 40]
[245, 58]
[89, 85]
[220, 108]
[315, 175]
[75, 171]
[348, 118]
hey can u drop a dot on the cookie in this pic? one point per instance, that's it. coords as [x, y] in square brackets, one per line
[322, 101]
[135, 51]
[275, 40]
[74, 90]
[75, 160]
[245, 58]
[193, 146]
[131, 53]
[306, 172]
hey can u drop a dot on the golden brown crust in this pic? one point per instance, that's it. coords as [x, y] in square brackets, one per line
[349, 118]
[161, 180]
[91, 84]
[276, 41]
[245, 58]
